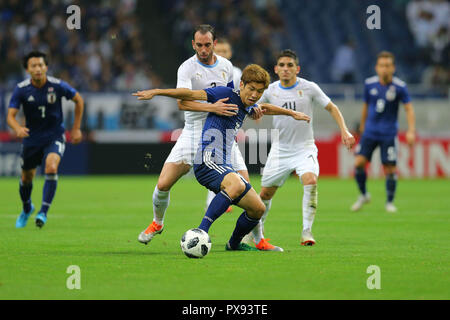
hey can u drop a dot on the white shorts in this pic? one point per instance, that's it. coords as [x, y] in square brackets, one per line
[186, 147]
[281, 164]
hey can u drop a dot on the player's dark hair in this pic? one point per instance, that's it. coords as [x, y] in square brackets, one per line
[34, 54]
[255, 73]
[204, 29]
[288, 53]
[386, 54]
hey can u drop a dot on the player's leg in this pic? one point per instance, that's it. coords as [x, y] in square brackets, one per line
[309, 206]
[31, 157]
[238, 164]
[170, 174]
[389, 160]
[253, 210]
[364, 152]
[52, 161]
[231, 187]
[25, 188]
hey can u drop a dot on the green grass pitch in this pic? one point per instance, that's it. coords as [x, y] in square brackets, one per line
[94, 223]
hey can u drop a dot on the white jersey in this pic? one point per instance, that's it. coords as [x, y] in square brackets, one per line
[302, 96]
[237, 74]
[194, 75]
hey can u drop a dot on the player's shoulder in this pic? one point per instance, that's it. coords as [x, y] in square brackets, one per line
[54, 80]
[24, 83]
[188, 63]
[398, 82]
[305, 83]
[372, 80]
[224, 61]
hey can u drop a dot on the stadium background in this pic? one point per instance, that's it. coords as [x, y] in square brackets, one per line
[128, 45]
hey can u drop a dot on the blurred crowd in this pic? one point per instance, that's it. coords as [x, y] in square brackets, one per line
[105, 54]
[429, 22]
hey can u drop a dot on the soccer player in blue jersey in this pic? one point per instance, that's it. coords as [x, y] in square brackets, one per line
[212, 164]
[43, 133]
[382, 96]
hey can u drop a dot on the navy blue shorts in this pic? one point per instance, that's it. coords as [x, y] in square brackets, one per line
[210, 175]
[388, 149]
[32, 156]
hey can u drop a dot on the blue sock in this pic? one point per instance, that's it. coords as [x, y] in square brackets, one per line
[391, 184]
[25, 195]
[244, 225]
[216, 208]
[361, 177]
[51, 180]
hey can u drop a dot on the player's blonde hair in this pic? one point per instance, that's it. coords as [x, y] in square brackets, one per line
[255, 73]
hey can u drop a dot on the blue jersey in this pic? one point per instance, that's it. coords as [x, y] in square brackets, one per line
[219, 132]
[383, 102]
[42, 109]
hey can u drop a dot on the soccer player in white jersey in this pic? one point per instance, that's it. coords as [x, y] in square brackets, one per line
[295, 149]
[201, 71]
[223, 48]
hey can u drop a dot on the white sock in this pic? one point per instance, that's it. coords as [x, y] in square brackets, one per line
[161, 201]
[309, 205]
[209, 197]
[258, 231]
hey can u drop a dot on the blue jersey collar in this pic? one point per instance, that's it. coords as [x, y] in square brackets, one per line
[287, 88]
[208, 65]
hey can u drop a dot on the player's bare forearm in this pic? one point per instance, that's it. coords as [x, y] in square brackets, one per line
[411, 119]
[270, 109]
[79, 108]
[347, 138]
[219, 107]
[337, 116]
[21, 132]
[363, 118]
[179, 93]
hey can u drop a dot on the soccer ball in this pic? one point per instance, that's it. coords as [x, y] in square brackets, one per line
[195, 243]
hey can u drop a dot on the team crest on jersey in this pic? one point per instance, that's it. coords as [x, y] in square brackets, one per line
[51, 97]
[224, 76]
[300, 93]
[391, 93]
[373, 91]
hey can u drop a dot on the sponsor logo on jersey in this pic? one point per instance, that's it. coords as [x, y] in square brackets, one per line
[30, 99]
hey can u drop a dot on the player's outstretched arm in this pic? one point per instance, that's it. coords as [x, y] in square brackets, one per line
[347, 138]
[75, 134]
[219, 107]
[411, 119]
[364, 113]
[21, 132]
[270, 109]
[179, 93]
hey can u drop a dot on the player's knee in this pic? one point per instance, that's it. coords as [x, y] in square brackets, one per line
[360, 162]
[236, 189]
[310, 180]
[266, 194]
[51, 168]
[163, 186]
[257, 211]
[27, 177]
